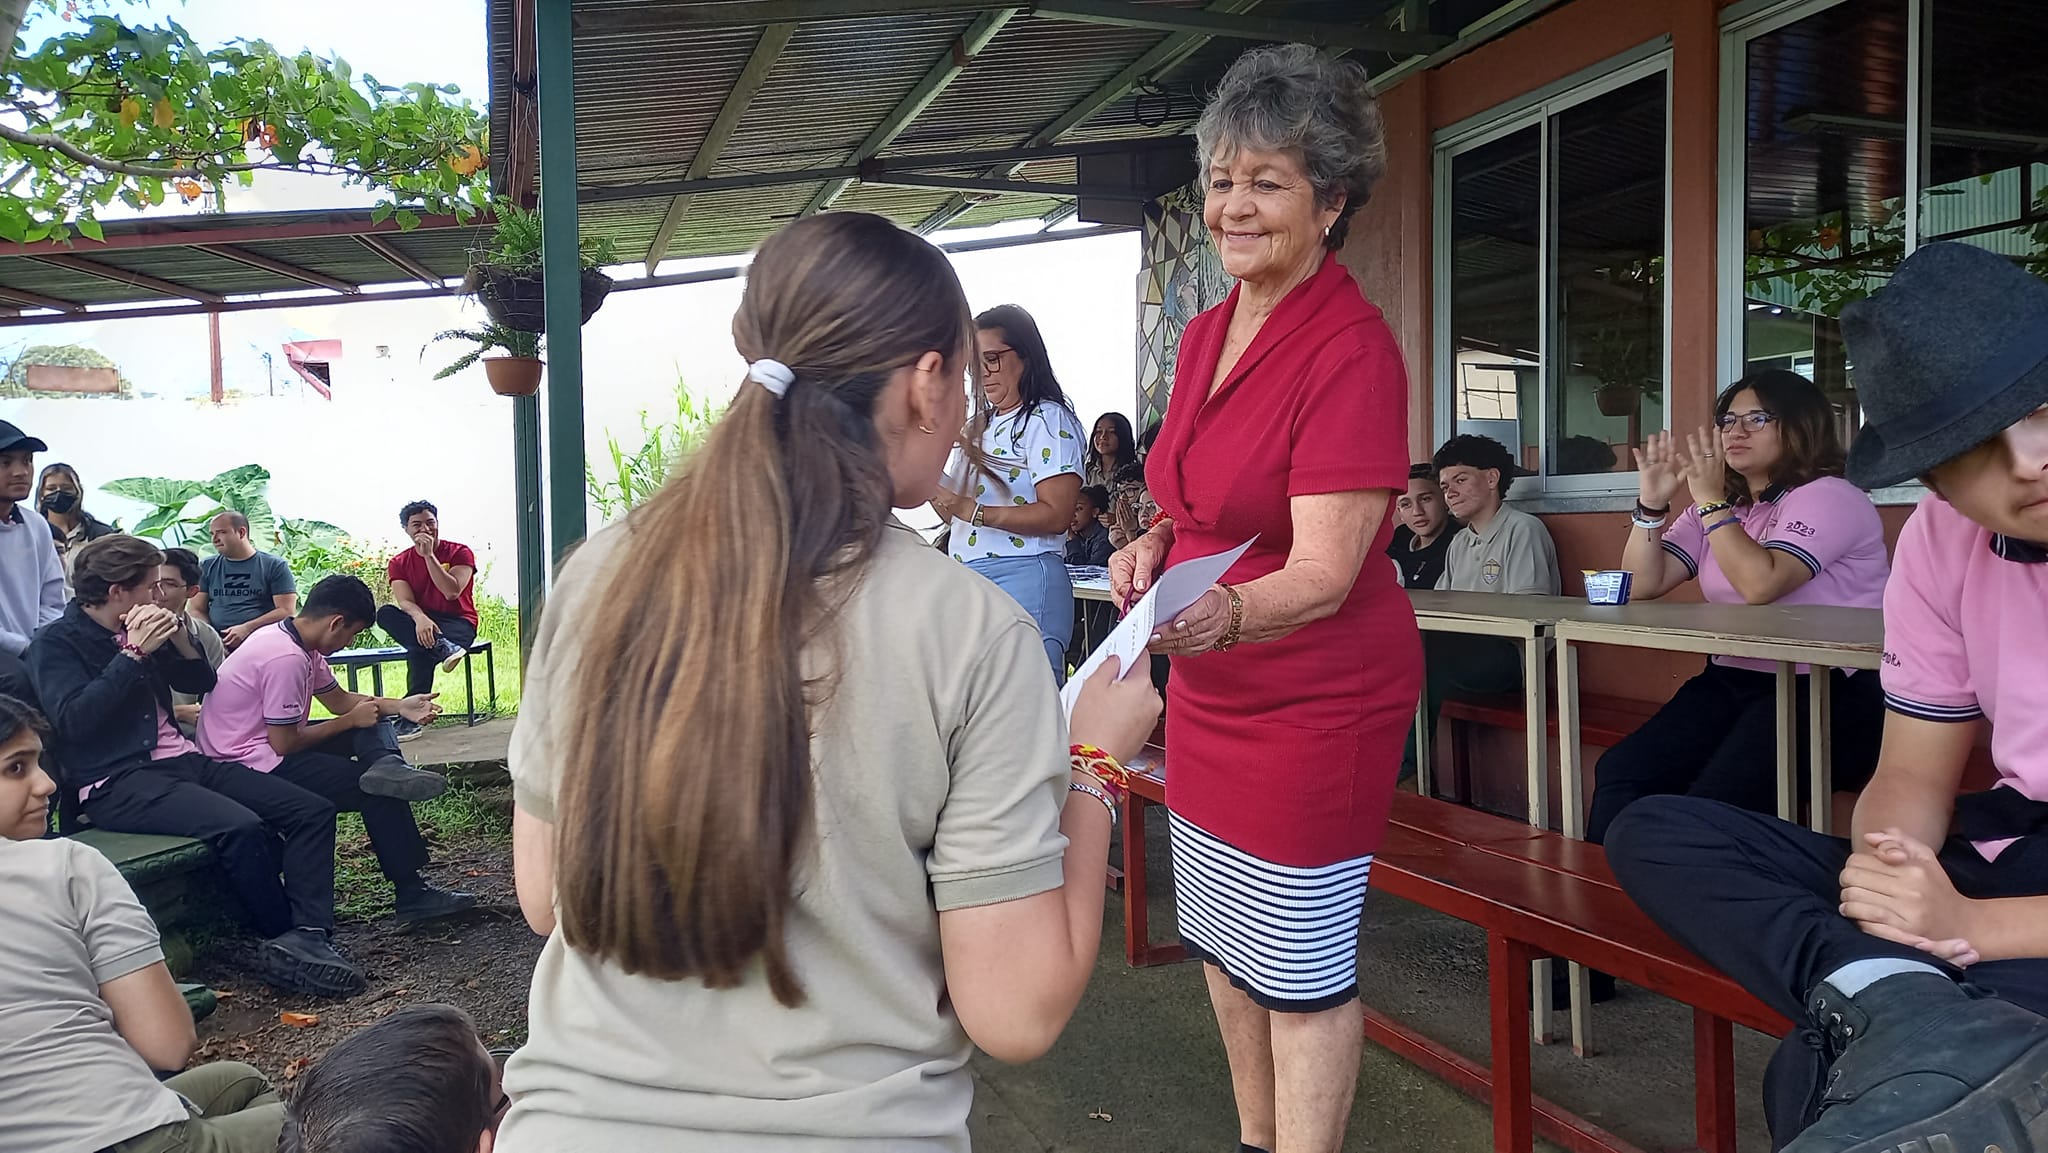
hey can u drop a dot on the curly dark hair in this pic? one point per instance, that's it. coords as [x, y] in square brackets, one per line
[1480, 452]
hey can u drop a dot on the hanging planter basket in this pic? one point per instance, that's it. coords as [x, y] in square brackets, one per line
[1618, 400]
[517, 298]
[513, 375]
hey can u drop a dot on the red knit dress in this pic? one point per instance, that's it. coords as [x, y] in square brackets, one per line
[1284, 754]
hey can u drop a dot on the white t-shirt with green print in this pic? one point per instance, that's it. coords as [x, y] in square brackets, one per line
[1025, 450]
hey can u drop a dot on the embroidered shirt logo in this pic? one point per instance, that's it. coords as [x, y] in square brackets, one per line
[1800, 528]
[1490, 571]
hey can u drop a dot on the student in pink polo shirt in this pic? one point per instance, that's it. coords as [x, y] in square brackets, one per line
[1914, 955]
[258, 715]
[1769, 521]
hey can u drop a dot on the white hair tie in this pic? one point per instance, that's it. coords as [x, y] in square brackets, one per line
[772, 375]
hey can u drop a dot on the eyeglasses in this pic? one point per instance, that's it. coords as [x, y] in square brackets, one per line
[170, 586]
[993, 358]
[1755, 420]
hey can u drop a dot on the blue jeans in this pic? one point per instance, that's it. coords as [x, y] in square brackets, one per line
[1040, 584]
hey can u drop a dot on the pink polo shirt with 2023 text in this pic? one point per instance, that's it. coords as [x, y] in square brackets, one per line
[1966, 635]
[270, 680]
[1826, 524]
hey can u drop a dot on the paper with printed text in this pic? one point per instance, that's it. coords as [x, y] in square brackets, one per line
[1172, 593]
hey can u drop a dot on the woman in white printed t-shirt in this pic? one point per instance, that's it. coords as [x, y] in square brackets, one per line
[1010, 525]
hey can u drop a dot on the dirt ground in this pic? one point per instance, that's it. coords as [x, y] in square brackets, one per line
[482, 964]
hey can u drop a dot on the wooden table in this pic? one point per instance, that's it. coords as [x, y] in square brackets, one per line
[1527, 619]
[1822, 636]
[1093, 589]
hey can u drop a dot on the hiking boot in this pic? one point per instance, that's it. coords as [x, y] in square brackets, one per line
[420, 903]
[1928, 1065]
[391, 776]
[448, 653]
[305, 961]
[406, 730]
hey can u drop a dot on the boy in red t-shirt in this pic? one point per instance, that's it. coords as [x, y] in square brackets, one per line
[432, 614]
[1912, 957]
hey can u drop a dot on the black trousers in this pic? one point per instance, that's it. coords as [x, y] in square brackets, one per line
[330, 771]
[1718, 738]
[257, 825]
[1457, 667]
[1756, 897]
[420, 661]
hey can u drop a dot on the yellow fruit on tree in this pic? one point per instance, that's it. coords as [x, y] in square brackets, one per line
[164, 115]
[131, 111]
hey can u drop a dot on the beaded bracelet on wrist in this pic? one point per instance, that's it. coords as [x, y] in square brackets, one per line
[1711, 507]
[1098, 794]
[1114, 778]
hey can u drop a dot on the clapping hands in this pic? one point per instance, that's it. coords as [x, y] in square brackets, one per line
[1664, 464]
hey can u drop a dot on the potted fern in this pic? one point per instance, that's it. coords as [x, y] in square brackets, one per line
[516, 373]
[506, 275]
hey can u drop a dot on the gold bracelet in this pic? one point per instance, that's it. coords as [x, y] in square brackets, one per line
[1230, 636]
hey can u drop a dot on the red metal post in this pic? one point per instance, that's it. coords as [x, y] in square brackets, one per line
[1507, 974]
[1713, 1079]
[213, 355]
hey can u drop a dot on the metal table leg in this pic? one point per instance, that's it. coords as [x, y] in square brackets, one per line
[1536, 714]
[1788, 740]
[1820, 748]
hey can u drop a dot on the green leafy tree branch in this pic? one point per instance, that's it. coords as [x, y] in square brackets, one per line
[108, 111]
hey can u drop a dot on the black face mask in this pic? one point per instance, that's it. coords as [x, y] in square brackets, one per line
[61, 502]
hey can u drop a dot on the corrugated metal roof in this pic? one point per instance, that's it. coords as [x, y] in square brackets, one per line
[649, 86]
[217, 256]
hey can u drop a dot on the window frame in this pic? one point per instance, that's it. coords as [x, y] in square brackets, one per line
[1539, 109]
[1741, 23]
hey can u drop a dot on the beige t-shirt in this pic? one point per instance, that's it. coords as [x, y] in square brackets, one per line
[940, 768]
[69, 924]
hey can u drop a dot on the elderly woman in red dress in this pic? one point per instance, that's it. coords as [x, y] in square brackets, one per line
[1295, 680]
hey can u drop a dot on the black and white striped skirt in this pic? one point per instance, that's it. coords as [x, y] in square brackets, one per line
[1287, 936]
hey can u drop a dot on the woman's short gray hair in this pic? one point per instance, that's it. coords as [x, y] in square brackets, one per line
[1292, 98]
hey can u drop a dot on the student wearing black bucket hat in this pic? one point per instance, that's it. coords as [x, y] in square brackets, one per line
[1912, 956]
[31, 575]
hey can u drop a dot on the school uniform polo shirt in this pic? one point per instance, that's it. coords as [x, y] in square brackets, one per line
[1514, 555]
[1826, 524]
[1966, 636]
[271, 680]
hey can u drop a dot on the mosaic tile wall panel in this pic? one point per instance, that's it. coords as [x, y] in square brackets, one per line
[1181, 276]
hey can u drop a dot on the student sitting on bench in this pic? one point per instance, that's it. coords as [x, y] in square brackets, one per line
[1500, 550]
[258, 715]
[175, 584]
[105, 671]
[418, 1081]
[88, 1012]
[432, 614]
[1914, 955]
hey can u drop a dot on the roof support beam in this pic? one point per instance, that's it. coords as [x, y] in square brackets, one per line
[640, 20]
[123, 276]
[767, 51]
[1123, 14]
[942, 73]
[288, 271]
[400, 260]
[994, 187]
[38, 300]
[1164, 57]
[872, 169]
[181, 232]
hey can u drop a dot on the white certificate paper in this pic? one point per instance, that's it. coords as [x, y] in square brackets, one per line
[1172, 593]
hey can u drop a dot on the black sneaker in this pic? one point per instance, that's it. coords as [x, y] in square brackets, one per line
[448, 653]
[1928, 1065]
[405, 729]
[391, 776]
[421, 903]
[304, 961]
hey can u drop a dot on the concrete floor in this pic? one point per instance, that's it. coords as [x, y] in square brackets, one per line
[1143, 1051]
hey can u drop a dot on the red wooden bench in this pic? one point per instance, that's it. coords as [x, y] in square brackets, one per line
[1604, 721]
[1536, 894]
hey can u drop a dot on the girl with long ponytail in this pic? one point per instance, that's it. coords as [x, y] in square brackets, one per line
[796, 804]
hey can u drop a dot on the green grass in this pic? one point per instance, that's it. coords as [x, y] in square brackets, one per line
[460, 816]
